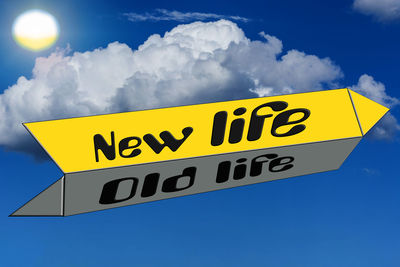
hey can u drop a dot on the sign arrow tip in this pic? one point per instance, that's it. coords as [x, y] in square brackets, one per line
[368, 112]
[47, 203]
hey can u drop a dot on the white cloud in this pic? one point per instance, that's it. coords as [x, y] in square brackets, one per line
[371, 172]
[388, 126]
[173, 15]
[193, 63]
[383, 10]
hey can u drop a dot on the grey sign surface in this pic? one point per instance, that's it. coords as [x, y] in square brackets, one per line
[83, 192]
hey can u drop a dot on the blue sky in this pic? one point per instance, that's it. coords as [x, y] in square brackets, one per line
[347, 217]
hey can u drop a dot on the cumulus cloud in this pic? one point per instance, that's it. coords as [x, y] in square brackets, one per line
[193, 63]
[388, 126]
[383, 10]
[173, 15]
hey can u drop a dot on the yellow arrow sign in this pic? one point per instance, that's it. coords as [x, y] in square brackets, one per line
[114, 140]
[194, 149]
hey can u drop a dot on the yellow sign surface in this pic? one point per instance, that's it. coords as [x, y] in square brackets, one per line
[105, 141]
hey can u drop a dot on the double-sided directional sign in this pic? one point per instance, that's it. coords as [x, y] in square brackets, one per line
[134, 157]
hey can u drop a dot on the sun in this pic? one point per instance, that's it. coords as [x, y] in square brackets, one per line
[35, 30]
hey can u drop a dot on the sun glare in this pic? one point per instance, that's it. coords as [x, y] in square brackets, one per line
[35, 30]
